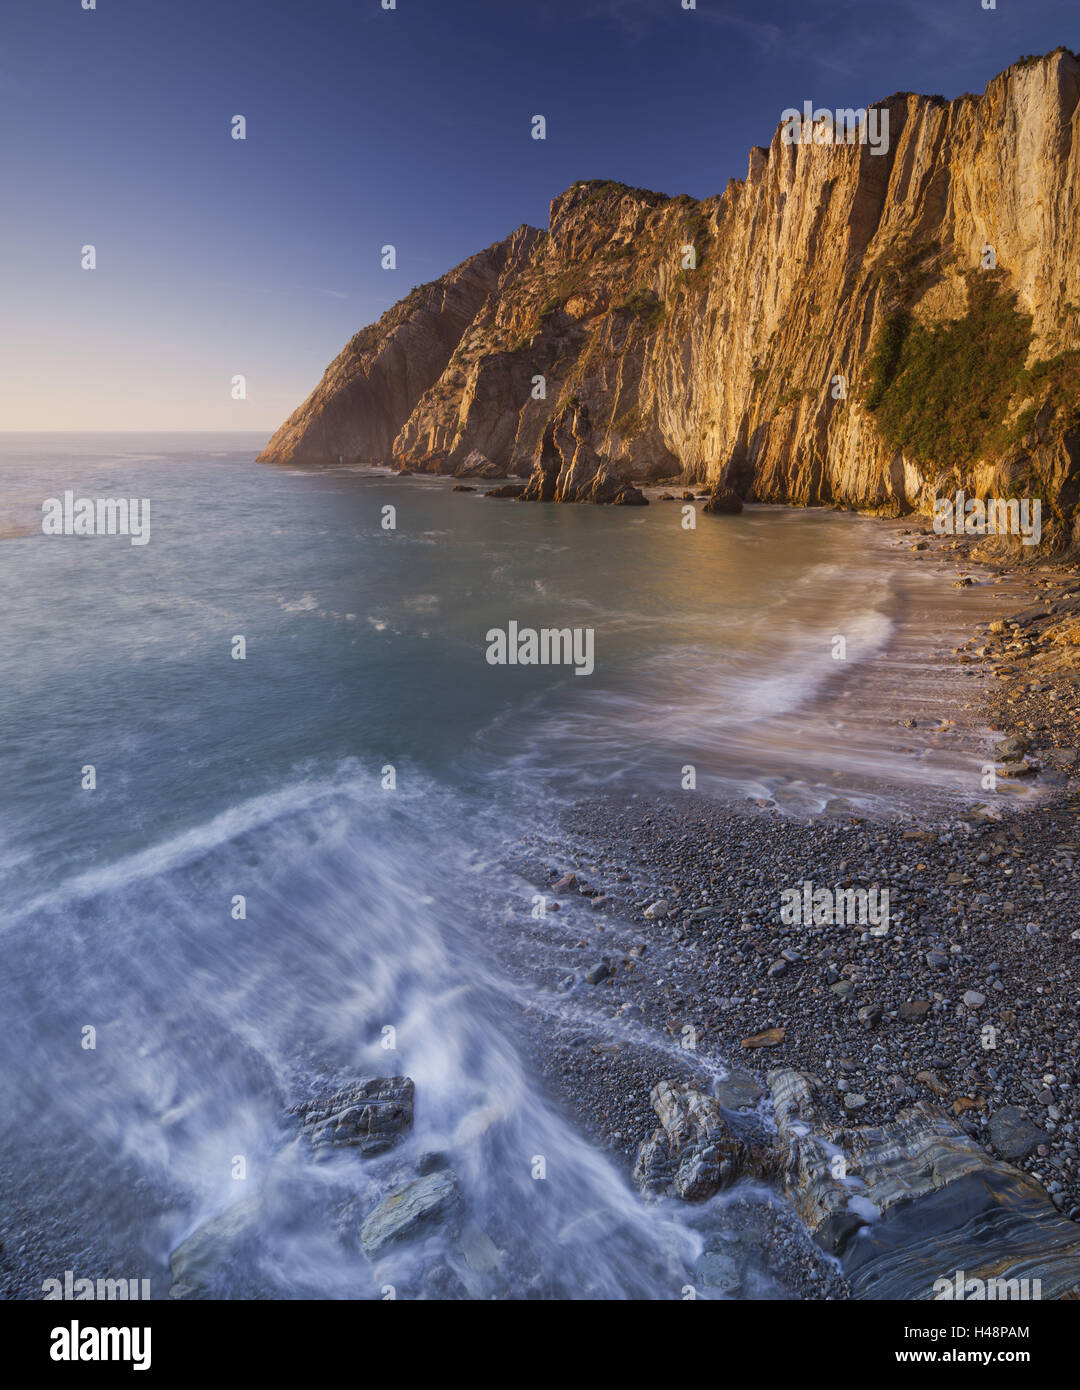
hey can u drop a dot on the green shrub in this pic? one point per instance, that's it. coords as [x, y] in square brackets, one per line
[644, 305]
[940, 393]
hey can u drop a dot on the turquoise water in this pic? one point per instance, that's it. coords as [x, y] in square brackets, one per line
[367, 907]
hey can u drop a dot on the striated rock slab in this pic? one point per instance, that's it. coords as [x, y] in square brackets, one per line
[410, 1210]
[369, 1117]
[566, 468]
[916, 1201]
[695, 1152]
[210, 1262]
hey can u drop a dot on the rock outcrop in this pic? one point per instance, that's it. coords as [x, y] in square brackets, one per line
[695, 1152]
[370, 1117]
[409, 1210]
[376, 382]
[903, 1206]
[736, 341]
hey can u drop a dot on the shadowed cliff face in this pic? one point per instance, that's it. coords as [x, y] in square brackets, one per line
[374, 384]
[722, 366]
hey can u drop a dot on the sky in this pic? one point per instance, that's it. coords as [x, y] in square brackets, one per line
[218, 257]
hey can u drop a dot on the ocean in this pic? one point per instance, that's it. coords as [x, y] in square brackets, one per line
[288, 867]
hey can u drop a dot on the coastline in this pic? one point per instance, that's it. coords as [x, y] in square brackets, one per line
[982, 933]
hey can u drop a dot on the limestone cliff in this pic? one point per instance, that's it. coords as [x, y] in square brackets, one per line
[784, 357]
[374, 384]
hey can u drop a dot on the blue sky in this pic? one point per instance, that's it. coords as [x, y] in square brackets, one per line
[366, 126]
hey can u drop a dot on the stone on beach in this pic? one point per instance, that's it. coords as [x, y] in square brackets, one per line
[410, 1210]
[369, 1117]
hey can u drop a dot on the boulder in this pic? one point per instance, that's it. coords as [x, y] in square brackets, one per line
[477, 465]
[695, 1152]
[410, 1210]
[1013, 1135]
[923, 1196]
[208, 1263]
[725, 501]
[369, 1117]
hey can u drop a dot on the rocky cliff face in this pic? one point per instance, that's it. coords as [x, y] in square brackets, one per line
[605, 351]
[382, 374]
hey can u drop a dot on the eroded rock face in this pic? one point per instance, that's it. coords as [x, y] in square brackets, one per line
[902, 1206]
[566, 468]
[373, 385]
[910, 1203]
[369, 1117]
[695, 1152]
[587, 357]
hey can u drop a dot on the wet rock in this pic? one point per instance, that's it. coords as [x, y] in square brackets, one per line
[923, 1195]
[738, 1090]
[370, 1117]
[600, 971]
[657, 909]
[973, 999]
[724, 502]
[507, 490]
[915, 1010]
[1021, 769]
[567, 884]
[206, 1263]
[442, 1284]
[771, 1037]
[694, 1153]
[410, 1210]
[715, 1270]
[480, 1252]
[1013, 1135]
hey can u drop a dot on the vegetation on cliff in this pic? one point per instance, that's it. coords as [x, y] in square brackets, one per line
[940, 391]
[943, 392]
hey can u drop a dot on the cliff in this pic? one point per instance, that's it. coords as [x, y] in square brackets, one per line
[838, 334]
